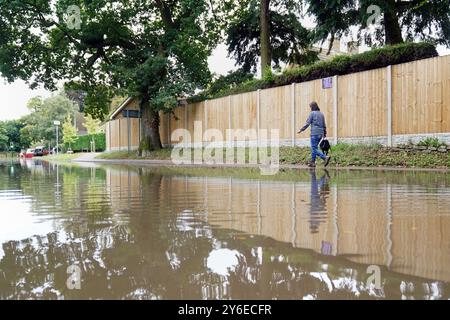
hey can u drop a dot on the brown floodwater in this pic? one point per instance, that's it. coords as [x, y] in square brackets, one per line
[172, 233]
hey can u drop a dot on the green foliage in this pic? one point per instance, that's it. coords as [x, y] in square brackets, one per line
[153, 50]
[10, 134]
[373, 59]
[61, 157]
[38, 127]
[231, 80]
[83, 143]
[339, 65]
[69, 132]
[418, 19]
[268, 76]
[431, 142]
[223, 84]
[94, 100]
[3, 139]
[92, 125]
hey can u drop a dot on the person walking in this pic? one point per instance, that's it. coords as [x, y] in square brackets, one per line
[316, 120]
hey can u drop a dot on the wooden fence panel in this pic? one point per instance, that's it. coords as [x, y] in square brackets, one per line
[107, 137]
[123, 133]
[134, 134]
[362, 106]
[164, 127]
[421, 96]
[243, 111]
[177, 121]
[217, 117]
[196, 112]
[115, 135]
[305, 93]
[445, 69]
[275, 111]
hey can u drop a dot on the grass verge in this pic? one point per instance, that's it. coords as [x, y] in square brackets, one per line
[343, 155]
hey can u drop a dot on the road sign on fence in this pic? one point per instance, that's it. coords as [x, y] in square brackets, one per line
[327, 83]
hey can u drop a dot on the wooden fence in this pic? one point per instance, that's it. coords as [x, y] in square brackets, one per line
[123, 134]
[406, 99]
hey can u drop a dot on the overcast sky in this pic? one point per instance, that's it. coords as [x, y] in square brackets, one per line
[14, 97]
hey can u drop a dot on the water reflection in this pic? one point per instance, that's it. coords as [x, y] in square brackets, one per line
[319, 194]
[142, 233]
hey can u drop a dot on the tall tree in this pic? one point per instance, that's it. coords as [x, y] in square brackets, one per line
[69, 132]
[288, 41]
[4, 140]
[93, 127]
[398, 20]
[266, 52]
[38, 125]
[154, 50]
[392, 29]
[10, 135]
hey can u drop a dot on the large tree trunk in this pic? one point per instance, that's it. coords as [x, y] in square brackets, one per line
[151, 139]
[392, 26]
[266, 52]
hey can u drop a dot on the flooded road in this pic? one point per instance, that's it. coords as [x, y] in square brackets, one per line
[155, 233]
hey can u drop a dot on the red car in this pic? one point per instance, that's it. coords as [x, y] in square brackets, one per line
[27, 154]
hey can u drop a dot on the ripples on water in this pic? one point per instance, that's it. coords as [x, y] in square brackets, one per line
[142, 233]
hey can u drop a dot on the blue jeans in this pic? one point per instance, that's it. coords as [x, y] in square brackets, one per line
[315, 148]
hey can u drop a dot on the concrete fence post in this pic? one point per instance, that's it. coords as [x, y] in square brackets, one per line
[128, 133]
[139, 131]
[109, 135]
[293, 112]
[205, 137]
[186, 127]
[389, 104]
[258, 115]
[169, 142]
[335, 109]
[230, 112]
[230, 121]
[119, 144]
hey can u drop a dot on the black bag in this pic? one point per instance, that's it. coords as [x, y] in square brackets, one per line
[325, 145]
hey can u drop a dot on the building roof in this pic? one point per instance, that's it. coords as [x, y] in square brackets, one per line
[125, 103]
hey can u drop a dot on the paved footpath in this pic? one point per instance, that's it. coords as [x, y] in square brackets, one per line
[87, 157]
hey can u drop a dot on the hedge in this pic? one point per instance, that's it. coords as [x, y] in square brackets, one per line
[83, 143]
[339, 65]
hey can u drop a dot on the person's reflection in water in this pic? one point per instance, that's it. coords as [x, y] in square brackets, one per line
[319, 194]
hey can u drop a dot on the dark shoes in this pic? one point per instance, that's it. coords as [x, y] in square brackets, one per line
[312, 164]
[327, 161]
